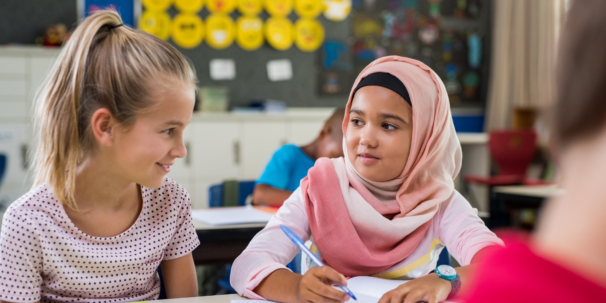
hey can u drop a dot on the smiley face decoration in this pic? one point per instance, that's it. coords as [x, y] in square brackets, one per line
[309, 34]
[157, 5]
[249, 32]
[188, 30]
[221, 6]
[279, 33]
[220, 31]
[156, 23]
[189, 6]
[278, 8]
[337, 10]
[308, 8]
[250, 7]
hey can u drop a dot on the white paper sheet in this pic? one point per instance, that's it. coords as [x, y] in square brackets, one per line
[230, 215]
[222, 69]
[279, 70]
[371, 286]
[371, 289]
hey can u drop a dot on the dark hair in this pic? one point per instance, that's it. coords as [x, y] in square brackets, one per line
[580, 107]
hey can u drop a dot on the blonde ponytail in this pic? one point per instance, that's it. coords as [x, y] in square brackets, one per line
[101, 66]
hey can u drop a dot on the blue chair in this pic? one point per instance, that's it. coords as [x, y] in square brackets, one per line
[216, 193]
[2, 172]
[2, 167]
[215, 199]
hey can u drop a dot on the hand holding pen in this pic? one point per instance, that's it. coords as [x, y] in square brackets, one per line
[314, 288]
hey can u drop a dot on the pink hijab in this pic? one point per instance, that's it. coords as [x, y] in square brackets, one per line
[363, 227]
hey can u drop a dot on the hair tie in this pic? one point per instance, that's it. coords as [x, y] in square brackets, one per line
[114, 27]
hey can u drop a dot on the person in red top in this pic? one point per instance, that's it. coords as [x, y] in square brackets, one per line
[565, 259]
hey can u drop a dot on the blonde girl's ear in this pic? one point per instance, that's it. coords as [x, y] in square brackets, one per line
[103, 126]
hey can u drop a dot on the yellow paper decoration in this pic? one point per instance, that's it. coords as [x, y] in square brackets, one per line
[337, 10]
[279, 33]
[157, 5]
[156, 23]
[278, 8]
[189, 6]
[188, 30]
[220, 31]
[249, 34]
[309, 34]
[250, 7]
[221, 6]
[308, 8]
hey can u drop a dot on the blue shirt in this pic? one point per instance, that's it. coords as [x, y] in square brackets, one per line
[287, 167]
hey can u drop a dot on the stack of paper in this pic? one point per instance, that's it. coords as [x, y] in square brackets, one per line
[231, 215]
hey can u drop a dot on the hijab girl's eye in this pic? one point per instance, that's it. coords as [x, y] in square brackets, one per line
[356, 122]
[388, 126]
[169, 131]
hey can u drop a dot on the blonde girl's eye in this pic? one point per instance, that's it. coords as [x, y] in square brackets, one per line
[169, 131]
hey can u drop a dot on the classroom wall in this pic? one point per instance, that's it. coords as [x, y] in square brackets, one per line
[22, 21]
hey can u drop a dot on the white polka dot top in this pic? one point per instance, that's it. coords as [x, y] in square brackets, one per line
[45, 257]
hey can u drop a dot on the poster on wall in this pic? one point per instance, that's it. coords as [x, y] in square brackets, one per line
[129, 10]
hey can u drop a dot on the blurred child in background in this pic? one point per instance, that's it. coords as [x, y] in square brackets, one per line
[290, 163]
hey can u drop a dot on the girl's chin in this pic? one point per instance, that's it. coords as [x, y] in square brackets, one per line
[369, 174]
[374, 174]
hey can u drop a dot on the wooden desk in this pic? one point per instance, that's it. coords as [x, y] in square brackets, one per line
[222, 244]
[513, 199]
[526, 196]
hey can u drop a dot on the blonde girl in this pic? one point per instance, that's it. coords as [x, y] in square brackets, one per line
[102, 215]
[386, 209]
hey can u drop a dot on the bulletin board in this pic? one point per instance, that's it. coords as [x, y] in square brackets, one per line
[251, 82]
[450, 36]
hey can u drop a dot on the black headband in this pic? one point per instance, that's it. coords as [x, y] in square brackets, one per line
[114, 27]
[386, 80]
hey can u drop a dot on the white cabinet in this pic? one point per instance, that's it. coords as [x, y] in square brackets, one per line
[38, 71]
[215, 149]
[15, 144]
[303, 132]
[13, 64]
[21, 69]
[231, 146]
[213, 156]
[259, 141]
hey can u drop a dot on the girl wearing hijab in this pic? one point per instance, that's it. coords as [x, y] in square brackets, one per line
[386, 209]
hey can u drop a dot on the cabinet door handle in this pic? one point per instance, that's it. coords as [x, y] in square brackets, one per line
[188, 156]
[237, 152]
[24, 151]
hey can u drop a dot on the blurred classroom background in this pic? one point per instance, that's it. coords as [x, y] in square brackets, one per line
[272, 71]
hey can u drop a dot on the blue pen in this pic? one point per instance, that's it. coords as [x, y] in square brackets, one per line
[293, 237]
